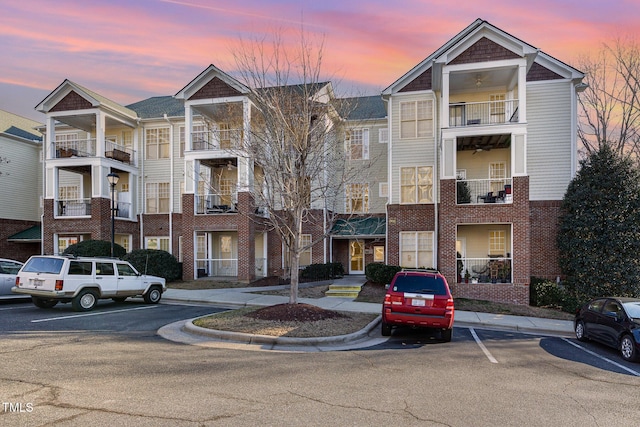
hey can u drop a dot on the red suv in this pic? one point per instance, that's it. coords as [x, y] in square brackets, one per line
[419, 299]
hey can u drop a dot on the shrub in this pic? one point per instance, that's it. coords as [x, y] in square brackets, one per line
[95, 248]
[328, 271]
[381, 273]
[155, 262]
[547, 293]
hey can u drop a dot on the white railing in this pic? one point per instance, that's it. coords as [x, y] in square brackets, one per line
[123, 210]
[477, 191]
[75, 148]
[210, 267]
[216, 204]
[485, 270]
[119, 152]
[78, 207]
[483, 113]
[224, 139]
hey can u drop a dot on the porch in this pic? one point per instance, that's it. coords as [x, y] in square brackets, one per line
[484, 253]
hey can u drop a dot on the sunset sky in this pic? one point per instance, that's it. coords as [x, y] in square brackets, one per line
[129, 50]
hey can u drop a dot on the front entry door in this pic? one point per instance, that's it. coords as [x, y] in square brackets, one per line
[356, 266]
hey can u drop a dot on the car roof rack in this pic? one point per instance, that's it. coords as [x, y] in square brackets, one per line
[425, 270]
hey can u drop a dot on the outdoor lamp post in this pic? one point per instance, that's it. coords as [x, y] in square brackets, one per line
[113, 180]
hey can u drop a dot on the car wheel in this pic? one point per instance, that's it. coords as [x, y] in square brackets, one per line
[385, 329]
[581, 332]
[44, 303]
[153, 295]
[447, 334]
[628, 348]
[86, 300]
[119, 299]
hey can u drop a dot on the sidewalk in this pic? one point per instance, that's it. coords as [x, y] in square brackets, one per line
[240, 297]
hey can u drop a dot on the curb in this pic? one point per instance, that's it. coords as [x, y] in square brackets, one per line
[515, 328]
[241, 337]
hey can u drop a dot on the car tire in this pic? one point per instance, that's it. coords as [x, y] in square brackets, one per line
[581, 331]
[385, 329]
[447, 334]
[44, 302]
[86, 300]
[119, 300]
[153, 295]
[628, 348]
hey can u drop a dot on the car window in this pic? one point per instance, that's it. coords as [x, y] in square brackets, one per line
[612, 308]
[43, 265]
[8, 267]
[596, 305]
[80, 268]
[126, 270]
[632, 309]
[104, 268]
[420, 284]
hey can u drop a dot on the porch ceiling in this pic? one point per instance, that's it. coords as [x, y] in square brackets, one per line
[483, 142]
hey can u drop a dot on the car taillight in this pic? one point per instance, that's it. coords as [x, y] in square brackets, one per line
[58, 286]
[449, 307]
[393, 299]
[17, 281]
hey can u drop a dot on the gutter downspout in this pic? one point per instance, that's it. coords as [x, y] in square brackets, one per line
[141, 186]
[171, 192]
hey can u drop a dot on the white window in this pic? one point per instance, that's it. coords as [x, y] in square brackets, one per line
[127, 138]
[226, 140]
[378, 254]
[305, 255]
[416, 249]
[383, 135]
[157, 243]
[383, 189]
[157, 143]
[182, 140]
[157, 197]
[71, 192]
[65, 242]
[497, 242]
[358, 144]
[416, 119]
[416, 185]
[357, 198]
[497, 108]
[497, 175]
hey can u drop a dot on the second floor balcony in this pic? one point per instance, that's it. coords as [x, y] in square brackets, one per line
[216, 139]
[483, 113]
[87, 148]
[481, 191]
[82, 208]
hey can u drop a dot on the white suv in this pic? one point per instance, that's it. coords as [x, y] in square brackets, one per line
[82, 281]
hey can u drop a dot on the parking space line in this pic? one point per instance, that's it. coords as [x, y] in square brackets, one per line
[631, 371]
[92, 314]
[482, 347]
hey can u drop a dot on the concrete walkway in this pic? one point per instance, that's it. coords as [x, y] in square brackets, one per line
[239, 297]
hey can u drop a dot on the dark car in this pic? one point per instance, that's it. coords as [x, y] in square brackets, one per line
[419, 299]
[611, 321]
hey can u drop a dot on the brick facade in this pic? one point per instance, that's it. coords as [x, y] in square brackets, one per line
[544, 229]
[15, 250]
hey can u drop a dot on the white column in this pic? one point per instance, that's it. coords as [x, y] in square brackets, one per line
[100, 130]
[522, 94]
[445, 100]
[188, 119]
[50, 139]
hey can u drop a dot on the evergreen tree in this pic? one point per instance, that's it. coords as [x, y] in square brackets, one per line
[599, 228]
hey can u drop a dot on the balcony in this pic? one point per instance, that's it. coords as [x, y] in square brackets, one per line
[87, 148]
[483, 113]
[220, 139]
[215, 204]
[481, 191]
[485, 270]
[73, 208]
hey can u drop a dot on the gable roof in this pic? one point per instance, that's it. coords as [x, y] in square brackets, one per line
[463, 44]
[205, 77]
[361, 108]
[158, 106]
[93, 98]
[18, 126]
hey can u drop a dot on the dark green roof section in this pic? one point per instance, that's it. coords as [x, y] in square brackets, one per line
[157, 107]
[362, 108]
[31, 234]
[354, 227]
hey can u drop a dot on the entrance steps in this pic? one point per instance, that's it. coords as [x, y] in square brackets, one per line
[343, 291]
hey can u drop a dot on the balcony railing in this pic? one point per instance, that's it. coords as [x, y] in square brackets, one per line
[78, 207]
[486, 270]
[210, 267]
[87, 148]
[477, 191]
[215, 204]
[483, 113]
[123, 210]
[225, 139]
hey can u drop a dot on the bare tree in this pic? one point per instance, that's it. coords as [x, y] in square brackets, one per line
[610, 106]
[297, 141]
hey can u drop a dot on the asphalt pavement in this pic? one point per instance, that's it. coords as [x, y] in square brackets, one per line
[186, 332]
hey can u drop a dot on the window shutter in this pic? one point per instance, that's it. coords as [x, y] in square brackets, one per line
[365, 144]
